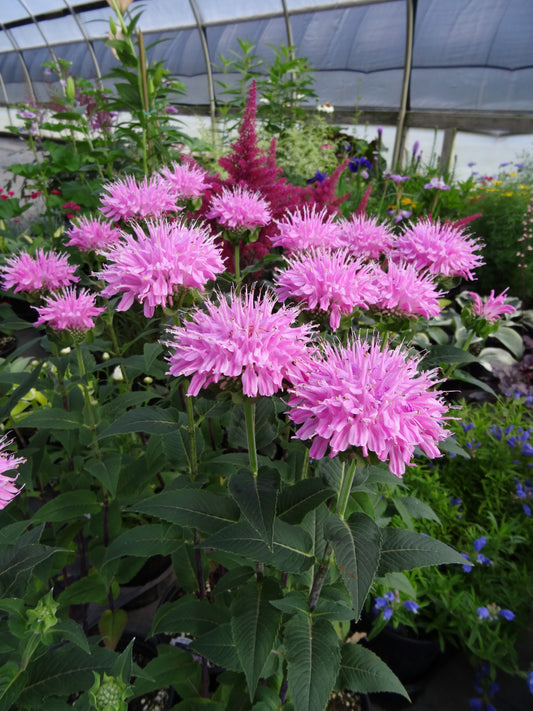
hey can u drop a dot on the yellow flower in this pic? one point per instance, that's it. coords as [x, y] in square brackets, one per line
[508, 193]
[513, 175]
[406, 201]
[496, 182]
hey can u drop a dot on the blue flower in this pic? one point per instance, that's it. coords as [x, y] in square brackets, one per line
[456, 501]
[480, 543]
[483, 560]
[387, 613]
[468, 567]
[475, 704]
[507, 615]
[411, 605]
[317, 178]
[526, 509]
[530, 681]
[483, 613]
[357, 164]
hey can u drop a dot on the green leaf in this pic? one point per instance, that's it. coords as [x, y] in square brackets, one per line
[54, 418]
[266, 425]
[356, 543]
[191, 507]
[107, 472]
[446, 354]
[172, 667]
[17, 564]
[405, 550]
[68, 630]
[150, 420]
[511, 339]
[363, 671]
[12, 683]
[296, 501]
[218, 646]
[143, 541]
[416, 508]
[313, 659]
[255, 623]
[90, 588]
[67, 506]
[111, 626]
[290, 550]
[25, 386]
[189, 615]
[256, 498]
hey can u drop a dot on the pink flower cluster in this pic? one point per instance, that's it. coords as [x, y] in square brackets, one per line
[151, 267]
[185, 180]
[46, 271]
[245, 338]
[307, 228]
[492, 308]
[89, 234]
[239, 209]
[69, 310]
[131, 200]
[330, 281]
[365, 237]
[7, 462]
[372, 399]
[405, 291]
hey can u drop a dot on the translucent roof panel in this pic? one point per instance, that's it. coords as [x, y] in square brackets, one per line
[468, 55]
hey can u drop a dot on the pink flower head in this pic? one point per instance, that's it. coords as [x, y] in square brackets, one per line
[69, 311]
[365, 237]
[373, 399]
[7, 462]
[305, 229]
[240, 209]
[333, 282]
[44, 272]
[492, 308]
[90, 234]
[128, 200]
[441, 248]
[151, 267]
[185, 180]
[403, 290]
[246, 337]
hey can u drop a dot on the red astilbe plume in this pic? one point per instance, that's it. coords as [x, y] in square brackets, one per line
[361, 209]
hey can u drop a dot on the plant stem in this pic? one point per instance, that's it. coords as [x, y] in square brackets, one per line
[191, 429]
[249, 414]
[87, 397]
[237, 259]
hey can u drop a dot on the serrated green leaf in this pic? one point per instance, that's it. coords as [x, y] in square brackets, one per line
[291, 546]
[313, 659]
[255, 623]
[362, 670]
[68, 506]
[256, 498]
[218, 646]
[107, 472]
[296, 501]
[191, 507]
[142, 541]
[405, 550]
[90, 588]
[17, 564]
[111, 626]
[357, 544]
[417, 508]
[151, 420]
[68, 630]
[54, 418]
[189, 615]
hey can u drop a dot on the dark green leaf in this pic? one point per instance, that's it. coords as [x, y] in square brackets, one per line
[362, 670]
[150, 420]
[404, 550]
[142, 541]
[53, 418]
[256, 497]
[17, 564]
[296, 501]
[254, 623]
[68, 506]
[356, 543]
[191, 507]
[189, 615]
[313, 658]
[218, 646]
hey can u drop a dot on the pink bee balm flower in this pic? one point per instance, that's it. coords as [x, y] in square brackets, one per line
[246, 337]
[240, 209]
[89, 234]
[492, 308]
[128, 200]
[185, 180]
[404, 290]
[69, 311]
[333, 282]
[152, 267]
[441, 248]
[7, 462]
[365, 237]
[306, 229]
[44, 272]
[372, 399]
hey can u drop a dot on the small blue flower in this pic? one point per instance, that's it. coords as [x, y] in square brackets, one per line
[526, 509]
[475, 704]
[467, 568]
[412, 606]
[483, 613]
[456, 501]
[530, 681]
[387, 613]
[483, 560]
[381, 602]
[507, 615]
[317, 178]
[480, 543]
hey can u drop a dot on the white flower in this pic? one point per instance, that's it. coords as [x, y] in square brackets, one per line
[326, 108]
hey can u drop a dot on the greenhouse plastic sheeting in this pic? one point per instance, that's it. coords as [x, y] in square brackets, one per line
[467, 55]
